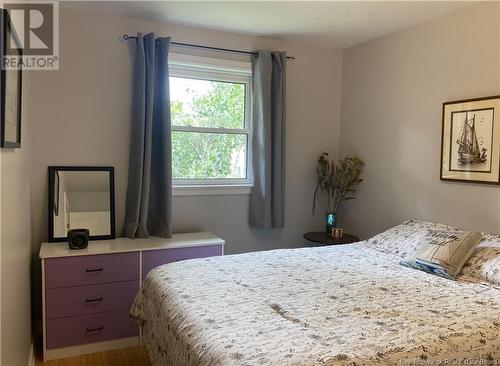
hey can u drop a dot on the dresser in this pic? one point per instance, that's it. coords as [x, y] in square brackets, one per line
[87, 294]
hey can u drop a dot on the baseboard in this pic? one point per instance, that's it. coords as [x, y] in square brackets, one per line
[32, 356]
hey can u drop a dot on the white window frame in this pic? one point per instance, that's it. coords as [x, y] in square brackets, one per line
[196, 67]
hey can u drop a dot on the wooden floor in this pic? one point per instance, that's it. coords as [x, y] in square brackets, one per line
[131, 356]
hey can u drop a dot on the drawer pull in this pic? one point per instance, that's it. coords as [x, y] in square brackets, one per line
[95, 329]
[95, 300]
[94, 270]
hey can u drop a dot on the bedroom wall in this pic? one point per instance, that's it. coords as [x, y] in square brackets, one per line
[83, 117]
[15, 244]
[392, 94]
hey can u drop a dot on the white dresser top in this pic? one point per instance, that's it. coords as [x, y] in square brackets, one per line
[120, 245]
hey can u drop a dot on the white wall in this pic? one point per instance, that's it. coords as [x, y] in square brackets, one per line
[15, 244]
[392, 95]
[88, 201]
[83, 117]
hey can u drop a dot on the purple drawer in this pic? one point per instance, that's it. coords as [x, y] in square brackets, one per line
[80, 300]
[91, 269]
[155, 258]
[65, 332]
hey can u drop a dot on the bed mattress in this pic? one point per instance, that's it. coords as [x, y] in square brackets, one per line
[336, 305]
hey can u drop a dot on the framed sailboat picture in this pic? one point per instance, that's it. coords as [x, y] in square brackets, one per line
[470, 145]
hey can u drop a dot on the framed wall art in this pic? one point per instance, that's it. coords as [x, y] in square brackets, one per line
[11, 87]
[470, 145]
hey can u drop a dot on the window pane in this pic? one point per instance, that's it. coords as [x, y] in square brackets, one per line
[205, 103]
[198, 155]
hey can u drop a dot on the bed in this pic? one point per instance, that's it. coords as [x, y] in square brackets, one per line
[338, 305]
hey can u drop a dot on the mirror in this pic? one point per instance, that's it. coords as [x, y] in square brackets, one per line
[81, 198]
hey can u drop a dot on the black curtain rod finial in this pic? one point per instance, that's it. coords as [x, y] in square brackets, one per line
[126, 37]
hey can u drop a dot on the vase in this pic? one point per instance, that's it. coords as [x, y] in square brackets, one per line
[331, 222]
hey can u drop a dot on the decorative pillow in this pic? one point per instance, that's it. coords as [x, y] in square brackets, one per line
[484, 264]
[404, 238]
[443, 252]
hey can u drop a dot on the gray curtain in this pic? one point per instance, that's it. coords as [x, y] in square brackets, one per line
[149, 192]
[267, 206]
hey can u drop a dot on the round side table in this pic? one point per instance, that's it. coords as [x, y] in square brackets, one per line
[319, 238]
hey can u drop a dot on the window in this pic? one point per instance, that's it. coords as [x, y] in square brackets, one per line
[211, 124]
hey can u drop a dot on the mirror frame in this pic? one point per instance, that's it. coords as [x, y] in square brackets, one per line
[53, 170]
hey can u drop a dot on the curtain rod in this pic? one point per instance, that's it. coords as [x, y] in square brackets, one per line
[126, 37]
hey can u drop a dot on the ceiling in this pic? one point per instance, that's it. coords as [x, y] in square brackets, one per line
[84, 181]
[339, 24]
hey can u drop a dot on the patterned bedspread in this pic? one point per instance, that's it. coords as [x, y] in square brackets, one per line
[343, 305]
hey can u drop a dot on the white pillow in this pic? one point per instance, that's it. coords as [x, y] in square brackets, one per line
[405, 237]
[484, 264]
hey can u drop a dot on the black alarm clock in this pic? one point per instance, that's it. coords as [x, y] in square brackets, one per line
[78, 238]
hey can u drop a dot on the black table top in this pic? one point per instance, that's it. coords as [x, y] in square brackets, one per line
[324, 238]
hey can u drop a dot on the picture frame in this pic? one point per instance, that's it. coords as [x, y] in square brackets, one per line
[470, 141]
[11, 88]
